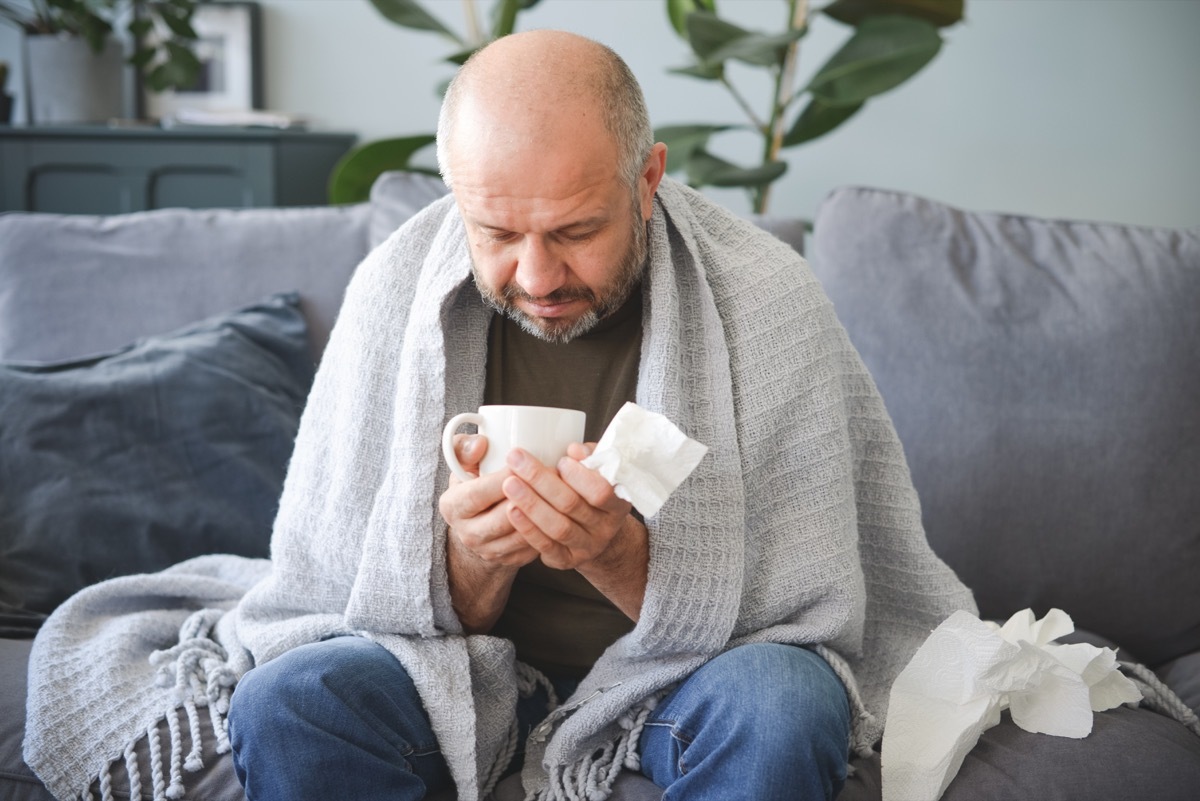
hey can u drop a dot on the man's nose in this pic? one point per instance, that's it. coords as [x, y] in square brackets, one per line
[539, 271]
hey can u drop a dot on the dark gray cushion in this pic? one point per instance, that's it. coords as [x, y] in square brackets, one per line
[75, 285]
[1044, 377]
[17, 782]
[171, 448]
[1131, 753]
[629, 786]
[216, 781]
[1182, 675]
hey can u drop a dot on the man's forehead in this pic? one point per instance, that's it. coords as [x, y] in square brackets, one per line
[502, 212]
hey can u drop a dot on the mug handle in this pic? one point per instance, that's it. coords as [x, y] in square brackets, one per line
[456, 422]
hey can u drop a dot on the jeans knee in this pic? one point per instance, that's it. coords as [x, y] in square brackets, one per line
[298, 683]
[785, 694]
[764, 721]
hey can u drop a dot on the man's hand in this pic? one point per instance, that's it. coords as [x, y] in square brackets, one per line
[483, 549]
[571, 515]
[476, 511]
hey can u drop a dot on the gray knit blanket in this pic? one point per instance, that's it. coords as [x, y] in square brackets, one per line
[801, 525]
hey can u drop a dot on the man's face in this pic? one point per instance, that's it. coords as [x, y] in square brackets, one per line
[557, 242]
[575, 307]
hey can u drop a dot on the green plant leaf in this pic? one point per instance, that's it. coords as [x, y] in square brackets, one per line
[352, 176]
[142, 56]
[410, 14]
[818, 119]
[178, 20]
[179, 70]
[140, 26]
[715, 40]
[705, 72]
[504, 15]
[460, 57]
[95, 31]
[883, 53]
[678, 10]
[705, 169]
[940, 12]
[683, 141]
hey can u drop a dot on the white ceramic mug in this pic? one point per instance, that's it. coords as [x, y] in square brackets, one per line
[542, 430]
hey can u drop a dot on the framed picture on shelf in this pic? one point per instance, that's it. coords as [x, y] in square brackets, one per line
[229, 50]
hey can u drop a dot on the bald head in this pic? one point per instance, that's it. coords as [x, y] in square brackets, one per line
[540, 90]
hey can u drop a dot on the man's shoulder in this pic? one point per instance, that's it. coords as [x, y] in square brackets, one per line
[434, 231]
[707, 219]
[728, 245]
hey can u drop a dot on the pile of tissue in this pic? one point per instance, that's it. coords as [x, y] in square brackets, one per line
[645, 457]
[968, 671]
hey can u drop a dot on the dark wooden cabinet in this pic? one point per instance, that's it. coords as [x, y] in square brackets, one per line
[99, 170]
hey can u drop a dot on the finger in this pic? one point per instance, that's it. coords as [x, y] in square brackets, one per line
[478, 530]
[543, 495]
[463, 500]
[591, 486]
[511, 550]
[579, 451]
[470, 450]
[553, 554]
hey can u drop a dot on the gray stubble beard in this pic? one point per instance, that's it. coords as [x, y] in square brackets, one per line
[627, 278]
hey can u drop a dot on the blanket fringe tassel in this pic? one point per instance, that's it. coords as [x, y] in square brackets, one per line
[197, 672]
[1159, 697]
[864, 726]
[592, 778]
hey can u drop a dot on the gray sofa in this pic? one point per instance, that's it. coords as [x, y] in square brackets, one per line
[1044, 377]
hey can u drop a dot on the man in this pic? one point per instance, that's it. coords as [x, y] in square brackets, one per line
[419, 633]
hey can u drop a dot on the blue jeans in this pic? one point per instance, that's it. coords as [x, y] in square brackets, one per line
[342, 719]
[760, 722]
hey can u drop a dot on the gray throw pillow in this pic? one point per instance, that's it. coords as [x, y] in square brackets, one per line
[173, 447]
[73, 285]
[1044, 377]
[397, 195]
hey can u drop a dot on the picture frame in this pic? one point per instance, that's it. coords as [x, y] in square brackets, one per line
[229, 49]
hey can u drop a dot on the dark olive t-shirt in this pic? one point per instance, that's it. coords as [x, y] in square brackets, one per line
[559, 622]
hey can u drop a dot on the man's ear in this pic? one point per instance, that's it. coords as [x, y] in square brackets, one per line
[653, 171]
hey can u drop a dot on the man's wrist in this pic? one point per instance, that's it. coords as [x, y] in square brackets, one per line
[478, 589]
[620, 570]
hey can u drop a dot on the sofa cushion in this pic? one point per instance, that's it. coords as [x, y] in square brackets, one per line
[215, 781]
[397, 195]
[173, 447]
[75, 285]
[1131, 753]
[1182, 675]
[1044, 377]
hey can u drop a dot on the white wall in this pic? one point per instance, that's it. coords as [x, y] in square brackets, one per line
[1064, 108]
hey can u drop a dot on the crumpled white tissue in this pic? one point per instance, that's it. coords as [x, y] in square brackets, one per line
[645, 457]
[968, 671]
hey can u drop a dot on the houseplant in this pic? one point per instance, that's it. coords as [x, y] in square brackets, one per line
[891, 41]
[352, 177]
[60, 34]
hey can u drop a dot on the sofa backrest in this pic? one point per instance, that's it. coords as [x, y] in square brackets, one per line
[1044, 377]
[75, 285]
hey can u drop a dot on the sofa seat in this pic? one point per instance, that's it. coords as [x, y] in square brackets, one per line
[1043, 376]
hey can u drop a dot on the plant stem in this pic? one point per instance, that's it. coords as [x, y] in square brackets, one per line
[784, 79]
[474, 32]
[759, 125]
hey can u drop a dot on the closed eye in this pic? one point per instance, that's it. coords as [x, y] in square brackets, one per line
[498, 235]
[580, 236]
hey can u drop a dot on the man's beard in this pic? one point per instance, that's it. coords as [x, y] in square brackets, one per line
[625, 280]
